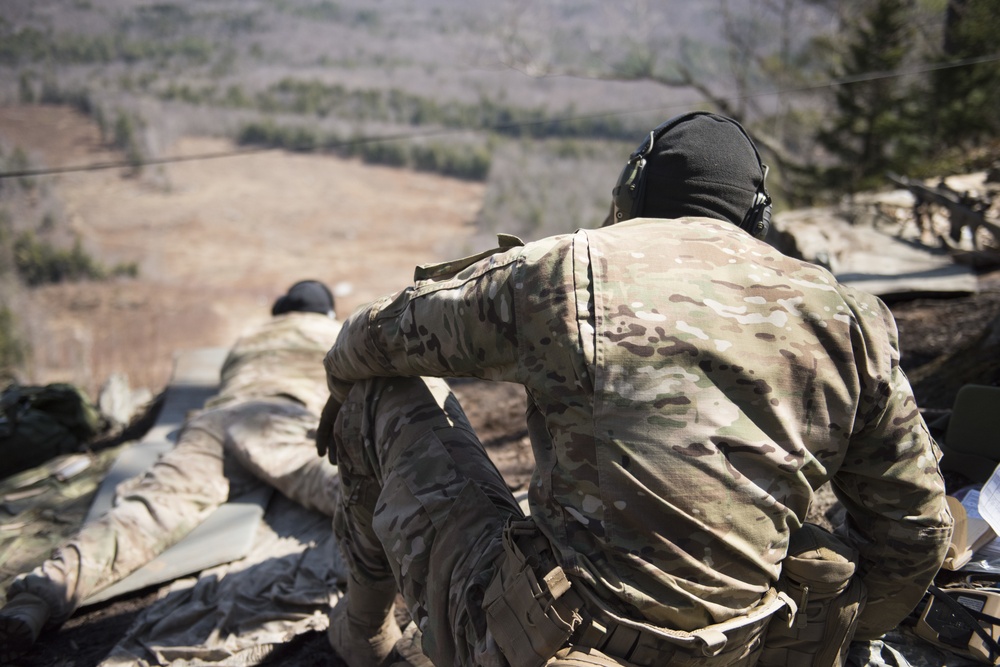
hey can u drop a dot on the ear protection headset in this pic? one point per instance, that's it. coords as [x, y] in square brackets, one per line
[629, 194]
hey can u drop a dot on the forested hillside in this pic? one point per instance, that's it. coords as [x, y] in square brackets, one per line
[537, 102]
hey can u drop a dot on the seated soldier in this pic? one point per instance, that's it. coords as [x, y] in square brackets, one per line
[689, 389]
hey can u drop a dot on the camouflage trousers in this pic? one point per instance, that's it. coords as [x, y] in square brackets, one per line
[220, 454]
[423, 504]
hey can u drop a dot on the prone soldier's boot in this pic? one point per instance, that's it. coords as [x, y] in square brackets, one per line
[21, 621]
[363, 629]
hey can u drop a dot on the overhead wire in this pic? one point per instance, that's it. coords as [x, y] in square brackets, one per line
[402, 136]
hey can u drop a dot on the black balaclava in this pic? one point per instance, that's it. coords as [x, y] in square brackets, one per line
[704, 165]
[306, 296]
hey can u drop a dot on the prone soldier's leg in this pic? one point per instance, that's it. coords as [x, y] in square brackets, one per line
[423, 508]
[150, 514]
[274, 440]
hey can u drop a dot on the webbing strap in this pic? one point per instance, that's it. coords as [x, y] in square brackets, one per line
[621, 637]
[968, 617]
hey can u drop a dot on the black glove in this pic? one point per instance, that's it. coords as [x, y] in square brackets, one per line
[325, 443]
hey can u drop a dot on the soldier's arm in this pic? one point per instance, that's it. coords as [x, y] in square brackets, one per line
[446, 324]
[892, 488]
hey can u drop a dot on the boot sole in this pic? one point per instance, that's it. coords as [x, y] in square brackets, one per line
[16, 638]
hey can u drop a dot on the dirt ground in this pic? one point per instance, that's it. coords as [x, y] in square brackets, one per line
[217, 240]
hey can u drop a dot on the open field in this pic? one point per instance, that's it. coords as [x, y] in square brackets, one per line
[216, 241]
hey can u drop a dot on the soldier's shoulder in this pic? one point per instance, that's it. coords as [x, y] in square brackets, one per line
[507, 244]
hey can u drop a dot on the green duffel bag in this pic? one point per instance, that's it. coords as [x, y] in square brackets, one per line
[38, 423]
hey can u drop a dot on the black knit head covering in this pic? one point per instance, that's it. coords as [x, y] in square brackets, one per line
[305, 296]
[700, 164]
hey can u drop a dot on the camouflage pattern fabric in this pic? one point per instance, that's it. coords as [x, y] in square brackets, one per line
[424, 505]
[278, 359]
[258, 430]
[691, 387]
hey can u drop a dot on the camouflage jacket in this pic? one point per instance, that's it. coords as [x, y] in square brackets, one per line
[281, 358]
[691, 387]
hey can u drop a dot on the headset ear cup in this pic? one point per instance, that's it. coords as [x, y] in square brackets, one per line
[618, 202]
[764, 224]
[627, 192]
[758, 218]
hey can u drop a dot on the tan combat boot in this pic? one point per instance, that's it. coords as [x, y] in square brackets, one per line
[21, 621]
[363, 630]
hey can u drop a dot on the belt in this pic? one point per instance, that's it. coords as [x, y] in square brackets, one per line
[640, 643]
[518, 607]
[643, 644]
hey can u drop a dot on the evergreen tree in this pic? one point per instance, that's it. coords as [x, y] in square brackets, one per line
[874, 127]
[967, 98]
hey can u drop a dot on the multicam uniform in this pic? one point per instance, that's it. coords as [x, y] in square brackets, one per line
[257, 430]
[689, 389]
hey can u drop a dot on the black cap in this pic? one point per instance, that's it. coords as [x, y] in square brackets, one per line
[702, 165]
[305, 296]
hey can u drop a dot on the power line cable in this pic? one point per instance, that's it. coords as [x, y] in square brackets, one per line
[123, 164]
[876, 76]
[805, 88]
[513, 125]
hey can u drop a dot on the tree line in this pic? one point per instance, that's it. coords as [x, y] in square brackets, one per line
[943, 119]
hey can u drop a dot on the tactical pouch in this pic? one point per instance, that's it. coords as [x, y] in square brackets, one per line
[521, 610]
[818, 575]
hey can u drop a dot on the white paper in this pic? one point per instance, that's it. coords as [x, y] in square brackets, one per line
[970, 501]
[989, 501]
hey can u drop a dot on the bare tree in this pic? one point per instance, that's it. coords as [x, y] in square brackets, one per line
[757, 61]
